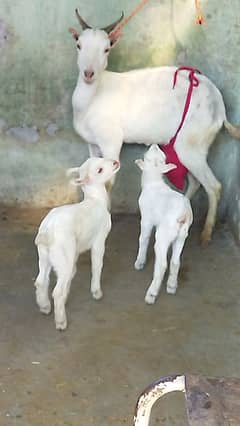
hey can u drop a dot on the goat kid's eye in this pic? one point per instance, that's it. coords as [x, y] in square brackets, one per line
[100, 170]
[106, 50]
[79, 46]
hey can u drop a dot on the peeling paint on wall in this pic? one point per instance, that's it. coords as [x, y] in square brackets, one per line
[3, 34]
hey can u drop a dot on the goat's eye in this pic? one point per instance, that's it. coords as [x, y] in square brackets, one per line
[106, 50]
[100, 170]
[79, 46]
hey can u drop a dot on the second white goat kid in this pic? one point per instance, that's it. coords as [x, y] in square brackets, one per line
[72, 229]
[167, 210]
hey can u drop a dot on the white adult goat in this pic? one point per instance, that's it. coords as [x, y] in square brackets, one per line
[141, 106]
[167, 210]
[71, 229]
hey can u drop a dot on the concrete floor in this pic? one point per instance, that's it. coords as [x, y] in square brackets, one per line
[92, 373]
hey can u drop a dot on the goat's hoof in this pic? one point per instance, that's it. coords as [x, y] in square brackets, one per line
[205, 238]
[150, 299]
[171, 289]
[97, 295]
[61, 325]
[45, 309]
[139, 265]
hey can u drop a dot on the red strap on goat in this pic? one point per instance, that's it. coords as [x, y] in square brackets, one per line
[177, 176]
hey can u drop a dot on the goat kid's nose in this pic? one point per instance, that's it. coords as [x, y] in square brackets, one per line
[88, 74]
[116, 164]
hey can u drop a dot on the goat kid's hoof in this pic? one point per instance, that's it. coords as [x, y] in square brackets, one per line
[45, 309]
[171, 290]
[97, 295]
[150, 299]
[61, 325]
[139, 265]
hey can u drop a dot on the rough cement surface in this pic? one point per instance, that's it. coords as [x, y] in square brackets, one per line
[92, 373]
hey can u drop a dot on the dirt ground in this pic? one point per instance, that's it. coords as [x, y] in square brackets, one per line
[92, 373]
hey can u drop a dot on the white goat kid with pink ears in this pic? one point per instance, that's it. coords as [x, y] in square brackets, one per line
[72, 229]
[170, 213]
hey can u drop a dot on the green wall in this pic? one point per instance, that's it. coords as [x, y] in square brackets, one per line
[38, 74]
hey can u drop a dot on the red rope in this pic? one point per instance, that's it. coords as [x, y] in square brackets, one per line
[194, 82]
[177, 176]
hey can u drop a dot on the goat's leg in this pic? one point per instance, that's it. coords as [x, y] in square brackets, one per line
[144, 237]
[42, 280]
[177, 248]
[94, 150]
[196, 162]
[161, 249]
[193, 186]
[213, 188]
[97, 253]
[111, 150]
[64, 266]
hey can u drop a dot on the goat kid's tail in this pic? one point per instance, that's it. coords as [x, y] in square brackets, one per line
[42, 238]
[234, 130]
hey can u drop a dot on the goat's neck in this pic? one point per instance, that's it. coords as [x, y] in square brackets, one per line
[96, 192]
[84, 94]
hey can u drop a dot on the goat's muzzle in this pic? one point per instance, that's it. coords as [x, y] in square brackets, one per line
[88, 76]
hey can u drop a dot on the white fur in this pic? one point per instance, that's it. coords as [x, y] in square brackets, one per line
[141, 106]
[170, 213]
[72, 229]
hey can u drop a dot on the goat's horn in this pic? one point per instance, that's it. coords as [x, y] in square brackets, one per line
[83, 24]
[111, 27]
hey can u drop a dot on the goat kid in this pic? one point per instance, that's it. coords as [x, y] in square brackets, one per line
[140, 106]
[167, 210]
[72, 229]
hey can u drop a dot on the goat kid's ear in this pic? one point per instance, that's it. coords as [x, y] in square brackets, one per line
[165, 168]
[72, 170]
[77, 180]
[80, 181]
[140, 163]
[114, 36]
[74, 33]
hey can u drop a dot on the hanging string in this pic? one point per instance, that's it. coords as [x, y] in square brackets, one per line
[125, 21]
[200, 19]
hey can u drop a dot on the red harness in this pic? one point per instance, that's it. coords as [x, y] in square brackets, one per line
[177, 176]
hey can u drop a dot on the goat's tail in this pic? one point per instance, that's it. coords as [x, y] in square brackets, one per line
[234, 130]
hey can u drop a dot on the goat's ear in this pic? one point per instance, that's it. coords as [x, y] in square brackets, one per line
[165, 168]
[140, 163]
[74, 33]
[114, 37]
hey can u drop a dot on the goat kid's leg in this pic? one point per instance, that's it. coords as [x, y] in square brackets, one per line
[145, 233]
[42, 281]
[97, 254]
[161, 249]
[65, 269]
[177, 248]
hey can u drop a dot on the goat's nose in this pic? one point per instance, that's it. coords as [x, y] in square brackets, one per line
[88, 73]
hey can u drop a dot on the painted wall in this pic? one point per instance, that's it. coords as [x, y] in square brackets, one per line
[38, 74]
